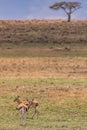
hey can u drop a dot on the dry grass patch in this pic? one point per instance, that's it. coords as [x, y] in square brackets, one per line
[54, 67]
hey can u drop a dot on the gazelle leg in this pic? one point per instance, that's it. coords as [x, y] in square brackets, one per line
[35, 112]
[23, 116]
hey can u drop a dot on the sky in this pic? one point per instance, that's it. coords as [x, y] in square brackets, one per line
[37, 9]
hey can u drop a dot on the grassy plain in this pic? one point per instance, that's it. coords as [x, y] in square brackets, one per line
[53, 73]
[62, 103]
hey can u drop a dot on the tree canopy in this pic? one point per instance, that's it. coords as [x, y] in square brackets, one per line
[68, 7]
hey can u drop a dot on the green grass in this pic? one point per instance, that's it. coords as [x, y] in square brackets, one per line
[11, 83]
[53, 115]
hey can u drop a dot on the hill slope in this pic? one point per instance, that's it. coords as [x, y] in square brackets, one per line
[43, 31]
[43, 38]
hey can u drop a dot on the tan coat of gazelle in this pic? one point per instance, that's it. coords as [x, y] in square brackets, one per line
[24, 106]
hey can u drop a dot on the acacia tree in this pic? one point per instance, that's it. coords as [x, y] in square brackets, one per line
[68, 7]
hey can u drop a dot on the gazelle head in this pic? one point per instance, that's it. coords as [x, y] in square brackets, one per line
[30, 102]
[17, 99]
[33, 103]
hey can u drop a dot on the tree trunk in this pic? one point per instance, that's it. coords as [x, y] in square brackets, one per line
[69, 17]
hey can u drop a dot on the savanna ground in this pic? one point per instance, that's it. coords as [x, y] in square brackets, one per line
[54, 74]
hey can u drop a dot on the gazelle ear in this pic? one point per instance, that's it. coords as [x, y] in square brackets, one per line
[18, 96]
